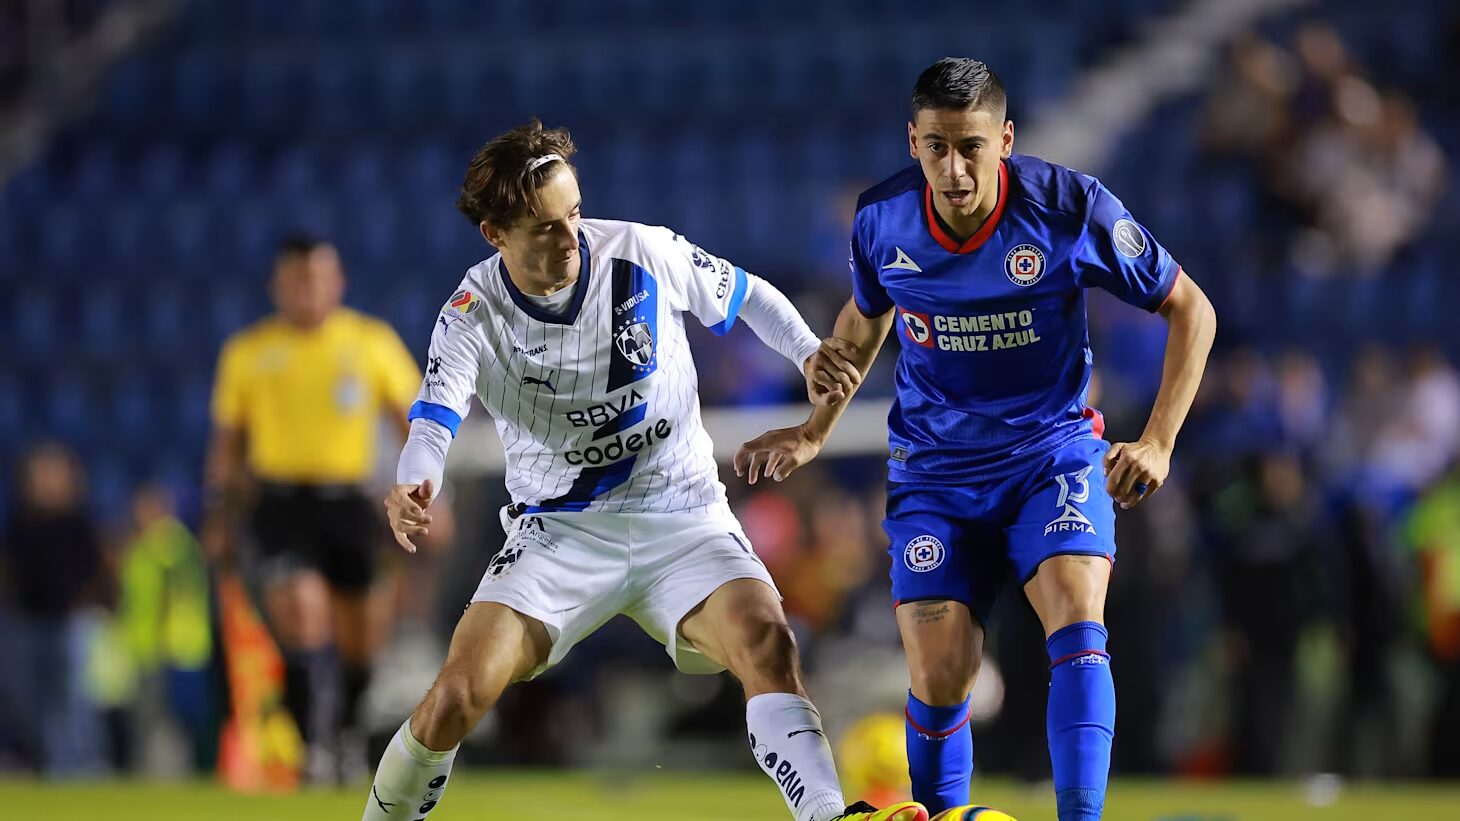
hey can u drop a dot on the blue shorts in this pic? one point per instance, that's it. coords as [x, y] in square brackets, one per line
[961, 542]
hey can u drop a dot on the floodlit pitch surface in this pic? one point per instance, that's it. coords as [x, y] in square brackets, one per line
[638, 796]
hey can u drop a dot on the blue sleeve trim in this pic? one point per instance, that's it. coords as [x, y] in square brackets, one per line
[736, 298]
[871, 311]
[1164, 288]
[440, 414]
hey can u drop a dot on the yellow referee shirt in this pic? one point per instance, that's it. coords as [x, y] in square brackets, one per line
[309, 402]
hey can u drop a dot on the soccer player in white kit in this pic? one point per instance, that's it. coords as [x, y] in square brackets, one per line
[573, 338]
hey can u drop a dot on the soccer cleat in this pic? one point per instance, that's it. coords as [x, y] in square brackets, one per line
[906, 811]
[971, 812]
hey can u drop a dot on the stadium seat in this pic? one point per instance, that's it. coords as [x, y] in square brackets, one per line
[162, 171]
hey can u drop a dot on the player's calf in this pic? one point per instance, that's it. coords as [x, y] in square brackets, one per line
[944, 646]
[1068, 593]
[493, 646]
[1080, 719]
[741, 626]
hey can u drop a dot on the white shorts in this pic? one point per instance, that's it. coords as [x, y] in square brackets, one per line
[575, 571]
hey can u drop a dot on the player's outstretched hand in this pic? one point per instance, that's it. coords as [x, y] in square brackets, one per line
[831, 375]
[776, 453]
[1135, 470]
[406, 508]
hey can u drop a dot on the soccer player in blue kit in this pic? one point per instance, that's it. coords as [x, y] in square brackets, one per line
[981, 257]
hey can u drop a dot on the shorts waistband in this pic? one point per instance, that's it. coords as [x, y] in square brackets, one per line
[310, 490]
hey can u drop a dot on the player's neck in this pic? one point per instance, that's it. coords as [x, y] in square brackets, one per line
[305, 325]
[536, 282]
[963, 226]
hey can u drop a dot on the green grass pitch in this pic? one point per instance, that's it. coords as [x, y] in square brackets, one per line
[660, 795]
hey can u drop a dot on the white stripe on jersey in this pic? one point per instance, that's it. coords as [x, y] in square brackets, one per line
[598, 406]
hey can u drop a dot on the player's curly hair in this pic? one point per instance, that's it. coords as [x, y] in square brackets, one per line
[501, 182]
[957, 83]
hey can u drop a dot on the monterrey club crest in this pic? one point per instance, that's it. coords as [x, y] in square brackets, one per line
[636, 343]
[923, 554]
[1024, 265]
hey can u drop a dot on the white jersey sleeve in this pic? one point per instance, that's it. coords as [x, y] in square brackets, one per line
[711, 288]
[454, 363]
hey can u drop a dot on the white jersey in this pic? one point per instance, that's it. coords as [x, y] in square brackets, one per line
[597, 406]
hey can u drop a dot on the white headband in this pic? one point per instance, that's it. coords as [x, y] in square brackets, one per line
[541, 161]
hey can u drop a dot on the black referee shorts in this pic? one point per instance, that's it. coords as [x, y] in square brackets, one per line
[333, 529]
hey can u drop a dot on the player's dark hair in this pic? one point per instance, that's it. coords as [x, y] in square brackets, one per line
[501, 183]
[957, 83]
[298, 243]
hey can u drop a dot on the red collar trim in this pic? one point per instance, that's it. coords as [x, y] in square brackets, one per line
[984, 231]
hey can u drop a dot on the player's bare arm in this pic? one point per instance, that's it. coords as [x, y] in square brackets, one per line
[1135, 470]
[831, 374]
[226, 480]
[405, 506]
[856, 341]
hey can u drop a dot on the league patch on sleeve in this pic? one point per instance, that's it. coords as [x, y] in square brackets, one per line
[1128, 238]
[462, 302]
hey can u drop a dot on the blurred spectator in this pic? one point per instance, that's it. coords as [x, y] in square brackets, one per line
[55, 568]
[1362, 174]
[163, 614]
[1323, 60]
[1366, 407]
[837, 560]
[1434, 533]
[1419, 438]
[1369, 176]
[1271, 533]
[1302, 402]
[1251, 116]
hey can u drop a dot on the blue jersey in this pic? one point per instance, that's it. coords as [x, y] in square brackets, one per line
[995, 360]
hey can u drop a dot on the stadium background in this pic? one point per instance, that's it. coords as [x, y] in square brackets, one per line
[1288, 608]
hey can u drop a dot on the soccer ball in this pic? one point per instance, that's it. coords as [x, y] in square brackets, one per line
[986, 814]
[872, 759]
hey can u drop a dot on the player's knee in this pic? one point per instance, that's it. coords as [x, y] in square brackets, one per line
[455, 704]
[947, 678]
[767, 655]
[1073, 605]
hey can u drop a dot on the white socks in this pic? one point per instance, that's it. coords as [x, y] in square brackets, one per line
[785, 737]
[790, 746]
[410, 779]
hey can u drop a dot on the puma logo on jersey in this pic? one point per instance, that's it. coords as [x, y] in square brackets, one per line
[546, 383]
[903, 261]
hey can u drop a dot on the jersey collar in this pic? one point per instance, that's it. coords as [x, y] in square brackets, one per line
[941, 235]
[541, 314]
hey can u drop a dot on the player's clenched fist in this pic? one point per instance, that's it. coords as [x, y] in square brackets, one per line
[1135, 470]
[831, 374]
[775, 453]
[406, 507]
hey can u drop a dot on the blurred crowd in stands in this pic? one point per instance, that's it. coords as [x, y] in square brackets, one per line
[1349, 161]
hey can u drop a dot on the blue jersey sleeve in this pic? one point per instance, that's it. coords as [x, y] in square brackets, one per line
[867, 290]
[1120, 255]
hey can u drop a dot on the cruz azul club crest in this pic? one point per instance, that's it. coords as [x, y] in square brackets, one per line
[1024, 265]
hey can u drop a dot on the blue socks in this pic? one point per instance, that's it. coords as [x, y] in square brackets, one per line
[1081, 719]
[939, 754]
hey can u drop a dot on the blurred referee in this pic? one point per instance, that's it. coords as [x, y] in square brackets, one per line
[296, 407]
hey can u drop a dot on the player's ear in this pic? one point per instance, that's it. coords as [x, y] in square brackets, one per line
[912, 140]
[491, 234]
[1007, 143]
